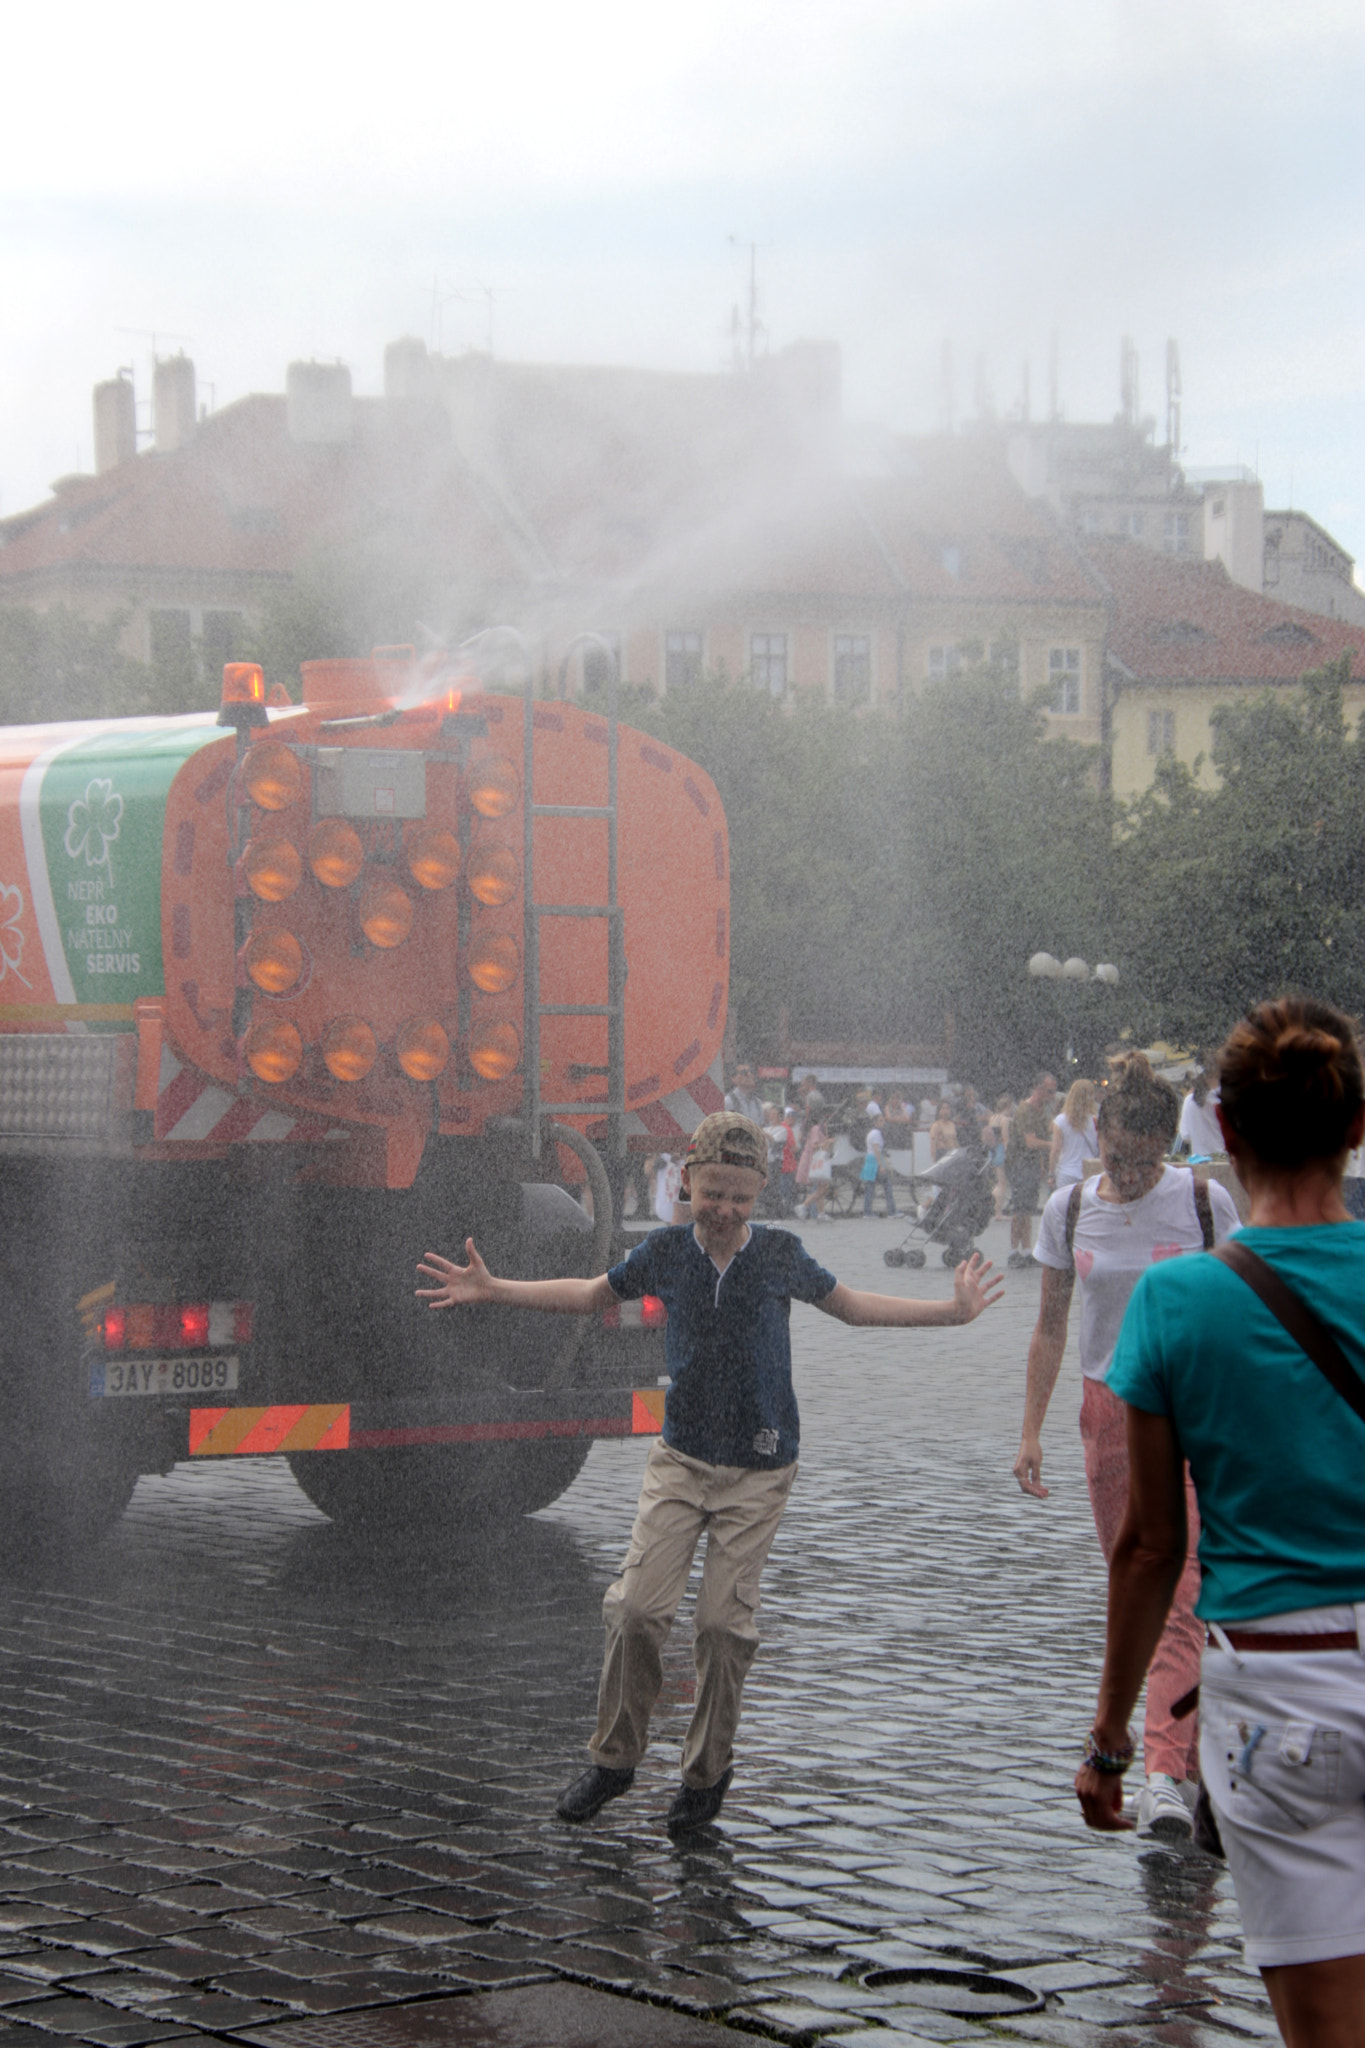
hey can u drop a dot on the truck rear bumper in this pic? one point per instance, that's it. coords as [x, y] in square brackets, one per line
[512, 1417]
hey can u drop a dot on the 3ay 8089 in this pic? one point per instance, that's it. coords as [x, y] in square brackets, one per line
[291, 995]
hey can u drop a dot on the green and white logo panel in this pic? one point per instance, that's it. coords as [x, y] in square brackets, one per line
[102, 812]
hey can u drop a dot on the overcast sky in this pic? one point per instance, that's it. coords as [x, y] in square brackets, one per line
[267, 182]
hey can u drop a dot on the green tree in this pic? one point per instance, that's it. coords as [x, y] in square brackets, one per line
[1255, 884]
[59, 665]
[1007, 855]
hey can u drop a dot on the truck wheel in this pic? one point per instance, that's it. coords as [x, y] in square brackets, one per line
[438, 1492]
[58, 1500]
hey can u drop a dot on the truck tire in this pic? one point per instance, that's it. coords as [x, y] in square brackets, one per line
[57, 1500]
[447, 1492]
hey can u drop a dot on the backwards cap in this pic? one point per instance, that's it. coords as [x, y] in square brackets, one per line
[728, 1139]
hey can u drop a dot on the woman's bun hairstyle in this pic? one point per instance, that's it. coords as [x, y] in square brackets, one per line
[1138, 1101]
[1290, 1081]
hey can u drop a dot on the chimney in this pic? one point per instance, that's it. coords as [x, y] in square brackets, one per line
[318, 403]
[115, 423]
[407, 370]
[173, 403]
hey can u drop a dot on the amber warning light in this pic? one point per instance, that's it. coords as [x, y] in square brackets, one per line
[243, 698]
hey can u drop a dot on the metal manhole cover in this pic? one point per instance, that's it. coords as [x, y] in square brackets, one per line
[965, 1994]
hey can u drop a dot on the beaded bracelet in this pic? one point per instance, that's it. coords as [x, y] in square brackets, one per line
[1109, 1763]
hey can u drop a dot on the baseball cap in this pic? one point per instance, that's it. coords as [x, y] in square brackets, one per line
[728, 1139]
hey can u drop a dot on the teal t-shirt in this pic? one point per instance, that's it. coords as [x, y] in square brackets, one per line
[1277, 1457]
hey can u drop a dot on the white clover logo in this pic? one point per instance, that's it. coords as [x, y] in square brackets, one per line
[11, 938]
[92, 825]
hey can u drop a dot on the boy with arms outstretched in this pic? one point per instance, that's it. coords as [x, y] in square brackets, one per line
[727, 1457]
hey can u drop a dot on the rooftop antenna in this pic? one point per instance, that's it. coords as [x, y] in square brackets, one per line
[754, 325]
[1128, 381]
[453, 293]
[1173, 397]
[1054, 376]
[985, 407]
[156, 336]
[945, 389]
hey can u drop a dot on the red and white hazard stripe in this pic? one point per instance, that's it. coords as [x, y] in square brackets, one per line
[675, 1117]
[192, 1110]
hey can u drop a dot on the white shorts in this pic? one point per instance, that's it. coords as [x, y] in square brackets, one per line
[1282, 1752]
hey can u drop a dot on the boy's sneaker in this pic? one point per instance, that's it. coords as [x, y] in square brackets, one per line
[589, 1794]
[694, 1806]
[1162, 1810]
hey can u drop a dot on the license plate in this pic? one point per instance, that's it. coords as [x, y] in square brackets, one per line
[162, 1376]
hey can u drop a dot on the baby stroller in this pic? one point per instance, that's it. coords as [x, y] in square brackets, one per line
[962, 1204]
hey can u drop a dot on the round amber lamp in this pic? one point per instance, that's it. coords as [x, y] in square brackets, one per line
[423, 1049]
[494, 787]
[335, 853]
[386, 913]
[272, 775]
[434, 859]
[273, 868]
[273, 1049]
[274, 961]
[494, 1050]
[349, 1049]
[494, 875]
[493, 963]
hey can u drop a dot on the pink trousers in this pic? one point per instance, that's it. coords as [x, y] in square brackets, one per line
[1167, 1744]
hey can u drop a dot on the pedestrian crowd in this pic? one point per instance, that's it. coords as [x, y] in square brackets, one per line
[1222, 1419]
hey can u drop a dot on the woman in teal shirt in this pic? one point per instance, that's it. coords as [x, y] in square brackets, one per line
[1207, 1372]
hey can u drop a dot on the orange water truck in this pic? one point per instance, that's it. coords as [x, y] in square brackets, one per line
[292, 994]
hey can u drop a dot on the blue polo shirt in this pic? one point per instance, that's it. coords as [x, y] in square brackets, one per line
[728, 1343]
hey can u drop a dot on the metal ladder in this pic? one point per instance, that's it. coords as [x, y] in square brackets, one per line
[613, 1104]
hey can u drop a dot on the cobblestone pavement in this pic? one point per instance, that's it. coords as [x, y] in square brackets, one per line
[251, 1776]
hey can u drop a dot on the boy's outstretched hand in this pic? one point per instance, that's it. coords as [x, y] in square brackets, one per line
[976, 1286]
[459, 1285]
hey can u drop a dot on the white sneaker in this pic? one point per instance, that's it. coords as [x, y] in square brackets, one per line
[1162, 1810]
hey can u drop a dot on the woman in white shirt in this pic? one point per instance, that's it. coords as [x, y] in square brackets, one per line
[1107, 1232]
[1199, 1129]
[1073, 1135]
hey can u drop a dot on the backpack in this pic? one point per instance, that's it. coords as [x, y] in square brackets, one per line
[1203, 1209]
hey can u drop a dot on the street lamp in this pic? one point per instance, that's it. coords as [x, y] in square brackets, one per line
[1047, 967]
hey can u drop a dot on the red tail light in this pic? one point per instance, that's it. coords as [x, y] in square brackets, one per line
[648, 1313]
[193, 1325]
[176, 1325]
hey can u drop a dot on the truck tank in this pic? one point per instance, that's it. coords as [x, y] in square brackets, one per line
[289, 996]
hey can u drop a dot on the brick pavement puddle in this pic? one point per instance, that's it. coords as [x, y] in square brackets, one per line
[965, 1994]
[249, 1768]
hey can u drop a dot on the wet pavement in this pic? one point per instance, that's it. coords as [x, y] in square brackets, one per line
[259, 1783]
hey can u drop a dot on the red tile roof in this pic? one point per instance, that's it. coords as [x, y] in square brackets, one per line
[244, 498]
[1181, 621]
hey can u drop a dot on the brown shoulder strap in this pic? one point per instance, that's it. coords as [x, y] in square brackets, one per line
[1073, 1210]
[1203, 1209]
[1303, 1326]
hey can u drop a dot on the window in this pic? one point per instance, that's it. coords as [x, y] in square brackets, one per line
[1003, 656]
[853, 667]
[682, 660]
[172, 650]
[768, 661]
[597, 661]
[1161, 732]
[1064, 674]
[944, 661]
[1177, 533]
[1131, 524]
[221, 640]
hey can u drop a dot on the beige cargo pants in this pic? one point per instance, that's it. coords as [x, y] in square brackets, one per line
[739, 1510]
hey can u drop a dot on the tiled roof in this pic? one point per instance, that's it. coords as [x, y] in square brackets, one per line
[244, 498]
[1181, 621]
